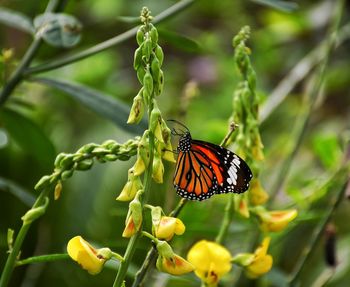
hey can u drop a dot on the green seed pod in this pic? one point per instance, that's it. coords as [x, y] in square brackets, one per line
[138, 58]
[147, 49]
[154, 36]
[159, 55]
[148, 82]
[140, 36]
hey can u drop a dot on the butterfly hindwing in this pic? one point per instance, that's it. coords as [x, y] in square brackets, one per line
[235, 173]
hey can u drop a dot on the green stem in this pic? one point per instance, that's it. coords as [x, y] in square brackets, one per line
[147, 186]
[108, 43]
[43, 258]
[225, 224]
[11, 259]
[302, 125]
[17, 75]
[341, 183]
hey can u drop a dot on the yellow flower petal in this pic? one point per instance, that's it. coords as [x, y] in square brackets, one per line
[168, 226]
[260, 266]
[175, 265]
[278, 220]
[83, 253]
[211, 260]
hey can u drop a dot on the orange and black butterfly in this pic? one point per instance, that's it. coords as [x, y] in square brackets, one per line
[204, 169]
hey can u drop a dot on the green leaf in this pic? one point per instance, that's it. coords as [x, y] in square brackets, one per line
[327, 148]
[179, 41]
[23, 195]
[279, 4]
[58, 29]
[29, 136]
[129, 19]
[102, 104]
[16, 20]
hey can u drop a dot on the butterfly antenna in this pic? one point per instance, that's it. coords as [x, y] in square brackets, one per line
[181, 124]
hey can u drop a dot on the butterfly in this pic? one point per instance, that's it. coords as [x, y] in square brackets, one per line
[204, 169]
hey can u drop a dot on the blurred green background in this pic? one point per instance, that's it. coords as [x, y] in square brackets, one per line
[197, 47]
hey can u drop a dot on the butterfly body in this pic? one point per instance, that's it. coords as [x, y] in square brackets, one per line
[204, 169]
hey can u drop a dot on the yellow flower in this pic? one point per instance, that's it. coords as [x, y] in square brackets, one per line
[241, 205]
[258, 263]
[175, 265]
[262, 262]
[211, 261]
[257, 194]
[131, 187]
[276, 220]
[171, 263]
[88, 257]
[168, 226]
[133, 220]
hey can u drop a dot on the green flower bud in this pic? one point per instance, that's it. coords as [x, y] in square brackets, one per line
[155, 122]
[155, 68]
[67, 162]
[156, 214]
[35, 213]
[154, 36]
[84, 164]
[138, 58]
[59, 158]
[137, 110]
[140, 73]
[158, 169]
[43, 182]
[147, 49]
[159, 55]
[164, 249]
[67, 174]
[58, 189]
[148, 83]
[140, 36]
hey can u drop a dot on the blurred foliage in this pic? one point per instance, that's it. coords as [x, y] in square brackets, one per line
[39, 121]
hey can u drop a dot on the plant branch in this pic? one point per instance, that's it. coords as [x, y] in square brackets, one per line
[17, 75]
[340, 182]
[42, 258]
[298, 73]
[302, 124]
[108, 43]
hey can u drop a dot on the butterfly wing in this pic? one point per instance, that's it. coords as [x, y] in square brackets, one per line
[194, 178]
[206, 169]
[236, 173]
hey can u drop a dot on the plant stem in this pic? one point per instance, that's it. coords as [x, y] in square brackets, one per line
[301, 126]
[17, 75]
[108, 43]
[226, 221]
[11, 259]
[43, 258]
[340, 182]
